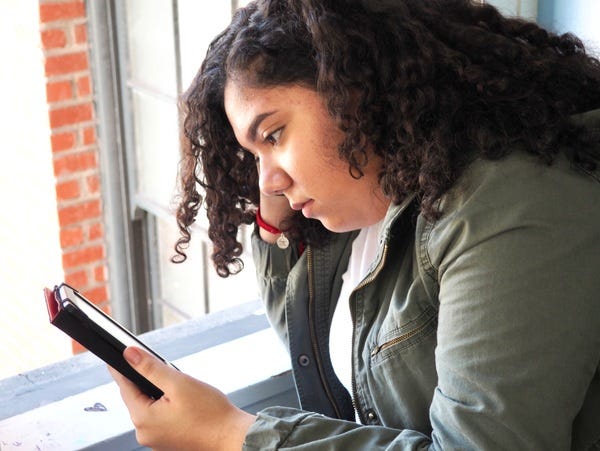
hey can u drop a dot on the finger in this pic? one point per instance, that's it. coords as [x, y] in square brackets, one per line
[118, 377]
[122, 381]
[129, 391]
[152, 368]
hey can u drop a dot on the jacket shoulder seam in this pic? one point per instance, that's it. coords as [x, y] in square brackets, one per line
[426, 262]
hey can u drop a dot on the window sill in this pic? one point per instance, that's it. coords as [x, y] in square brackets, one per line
[235, 351]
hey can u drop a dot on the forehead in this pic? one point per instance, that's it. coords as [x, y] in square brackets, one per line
[244, 95]
[239, 95]
[244, 101]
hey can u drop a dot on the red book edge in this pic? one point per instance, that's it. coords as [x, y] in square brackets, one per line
[51, 304]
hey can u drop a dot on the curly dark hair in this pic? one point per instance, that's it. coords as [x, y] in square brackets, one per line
[438, 83]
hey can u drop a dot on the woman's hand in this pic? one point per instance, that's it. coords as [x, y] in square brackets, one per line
[191, 415]
[273, 209]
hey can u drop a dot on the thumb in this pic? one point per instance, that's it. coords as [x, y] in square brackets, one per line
[153, 369]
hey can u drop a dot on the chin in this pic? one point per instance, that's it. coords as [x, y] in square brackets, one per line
[337, 227]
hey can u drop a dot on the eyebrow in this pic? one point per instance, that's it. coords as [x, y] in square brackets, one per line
[252, 130]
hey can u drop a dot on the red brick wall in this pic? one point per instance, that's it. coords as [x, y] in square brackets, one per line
[69, 93]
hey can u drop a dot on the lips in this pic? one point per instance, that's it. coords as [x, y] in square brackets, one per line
[304, 206]
[297, 205]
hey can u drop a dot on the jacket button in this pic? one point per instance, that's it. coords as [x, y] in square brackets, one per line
[371, 416]
[304, 360]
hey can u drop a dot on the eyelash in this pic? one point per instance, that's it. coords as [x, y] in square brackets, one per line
[273, 138]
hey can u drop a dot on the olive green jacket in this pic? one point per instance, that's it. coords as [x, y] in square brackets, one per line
[480, 330]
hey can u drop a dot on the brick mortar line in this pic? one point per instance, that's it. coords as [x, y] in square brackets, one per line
[60, 104]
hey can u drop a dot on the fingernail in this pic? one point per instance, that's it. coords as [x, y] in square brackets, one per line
[133, 356]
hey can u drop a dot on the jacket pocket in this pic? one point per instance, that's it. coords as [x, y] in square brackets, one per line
[402, 375]
[405, 336]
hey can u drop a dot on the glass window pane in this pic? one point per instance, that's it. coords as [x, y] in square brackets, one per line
[199, 23]
[191, 289]
[225, 293]
[151, 41]
[181, 285]
[156, 147]
[186, 290]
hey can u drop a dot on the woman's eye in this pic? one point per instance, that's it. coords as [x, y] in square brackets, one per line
[273, 138]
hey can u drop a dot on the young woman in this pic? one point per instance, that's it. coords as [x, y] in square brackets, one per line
[424, 179]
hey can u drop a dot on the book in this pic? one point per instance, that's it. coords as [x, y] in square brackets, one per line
[79, 318]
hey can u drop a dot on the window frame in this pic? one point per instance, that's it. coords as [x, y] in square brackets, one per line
[131, 219]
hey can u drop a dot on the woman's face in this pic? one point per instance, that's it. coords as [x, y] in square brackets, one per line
[295, 141]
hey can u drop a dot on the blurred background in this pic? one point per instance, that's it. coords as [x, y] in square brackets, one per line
[30, 254]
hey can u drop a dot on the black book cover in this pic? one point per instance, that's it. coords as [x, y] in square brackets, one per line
[93, 337]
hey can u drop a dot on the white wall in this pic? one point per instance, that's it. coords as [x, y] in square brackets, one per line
[30, 256]
[523, 8]
[581, 17]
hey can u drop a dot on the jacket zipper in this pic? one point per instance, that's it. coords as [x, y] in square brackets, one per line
[398, 339]
[364, 283]
[376, 271]
[313, 332]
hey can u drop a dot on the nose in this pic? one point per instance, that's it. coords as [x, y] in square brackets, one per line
[272, 179]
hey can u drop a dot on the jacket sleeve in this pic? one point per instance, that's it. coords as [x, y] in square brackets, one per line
[283, 428]
[519, 322]
[273, 266]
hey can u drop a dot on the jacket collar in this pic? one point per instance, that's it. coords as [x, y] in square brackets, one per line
[589, 119]
[393, 213]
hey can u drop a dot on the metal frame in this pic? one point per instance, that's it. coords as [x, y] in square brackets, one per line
[114, 172]
[130, 218]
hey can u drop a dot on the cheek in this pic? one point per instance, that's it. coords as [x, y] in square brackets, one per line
[326, 157]
[328, 176]
[315, 153]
